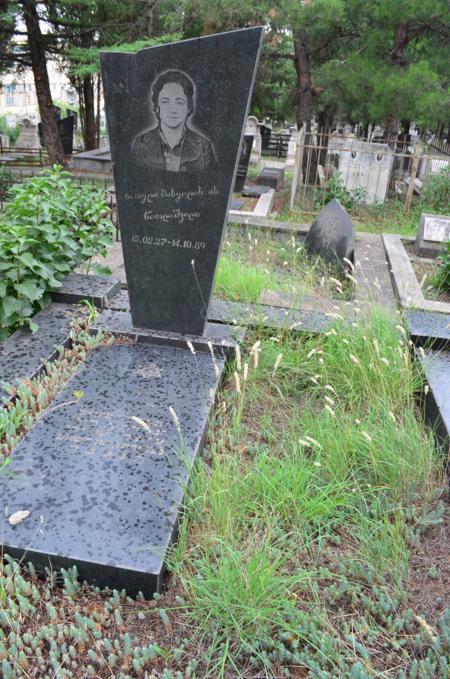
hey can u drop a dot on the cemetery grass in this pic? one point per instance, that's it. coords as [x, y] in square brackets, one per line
[255, 260]
[388, 217]
[314, 541]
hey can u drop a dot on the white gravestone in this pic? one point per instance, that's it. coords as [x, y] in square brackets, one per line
[367, 166]
[433, 232]
[29, 135]
[252, 128]
[292, 146]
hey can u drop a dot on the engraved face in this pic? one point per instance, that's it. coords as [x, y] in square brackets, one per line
[173, 105]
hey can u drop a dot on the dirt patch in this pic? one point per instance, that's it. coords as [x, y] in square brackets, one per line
[429, 573]
[426, 270]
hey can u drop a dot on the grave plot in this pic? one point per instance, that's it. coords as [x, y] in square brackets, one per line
[100, 478]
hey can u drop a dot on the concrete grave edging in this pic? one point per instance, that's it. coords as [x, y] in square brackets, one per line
[404, 279]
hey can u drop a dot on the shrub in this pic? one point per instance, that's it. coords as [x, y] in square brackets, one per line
[436, 194]
[51, 226]
[337, 189]
[442, 280]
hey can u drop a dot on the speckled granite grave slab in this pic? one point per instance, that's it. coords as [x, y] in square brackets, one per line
[218, 334]
[272, 317]
[109, 487]
[428, 327]
[437, 402]
[23, 354]
[236, 313]
[77, 287]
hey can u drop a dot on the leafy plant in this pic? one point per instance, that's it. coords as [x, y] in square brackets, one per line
[442, 279]
[51, 225]
[436, 194]
[337, 189]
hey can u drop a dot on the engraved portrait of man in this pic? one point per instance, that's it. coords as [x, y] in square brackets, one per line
[174, 144]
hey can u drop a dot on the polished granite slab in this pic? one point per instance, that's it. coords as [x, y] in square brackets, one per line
[104, 471]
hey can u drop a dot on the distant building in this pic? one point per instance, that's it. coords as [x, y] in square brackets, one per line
[18, 95]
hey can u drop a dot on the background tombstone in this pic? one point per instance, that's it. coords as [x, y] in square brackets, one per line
[65, 129]
[173, 197]
[266, 132]
[252, 128]
[244, 159]
[366, 165]
[433, 233]
[28, 137]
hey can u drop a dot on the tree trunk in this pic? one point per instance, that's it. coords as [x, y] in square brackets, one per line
[97, 119]
[304, 82]
[89, 126]
[400, 60]
[305, 105]
[325, 121]
[150, 17]
[50, 132]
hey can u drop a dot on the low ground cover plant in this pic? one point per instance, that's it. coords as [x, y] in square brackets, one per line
[436, 193]
[442, 279]
[50, 226]
[317, 485]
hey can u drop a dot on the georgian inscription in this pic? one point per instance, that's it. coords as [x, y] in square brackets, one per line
[172, 196]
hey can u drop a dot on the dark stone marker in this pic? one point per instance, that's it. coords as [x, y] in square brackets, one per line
[65, 129]
[332, 234]
[175, 116]
[265, 135]
[271, 176]
[244, 160]
[255, 190]
[107, 472]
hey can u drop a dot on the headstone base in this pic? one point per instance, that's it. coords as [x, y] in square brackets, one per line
[119, 323]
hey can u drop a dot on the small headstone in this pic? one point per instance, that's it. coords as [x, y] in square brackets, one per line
[244, 159]
[271, 176]
[29, 136]
[332, 234]
[433, 233]
[237, 204]
[175, 117]
[255, 190]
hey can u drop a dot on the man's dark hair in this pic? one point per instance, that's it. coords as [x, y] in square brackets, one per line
[173, 77]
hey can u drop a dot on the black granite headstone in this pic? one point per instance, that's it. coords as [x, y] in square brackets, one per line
[175, 117]
[265, 135]
[65, 129]
[244, 160]
[332, 234]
